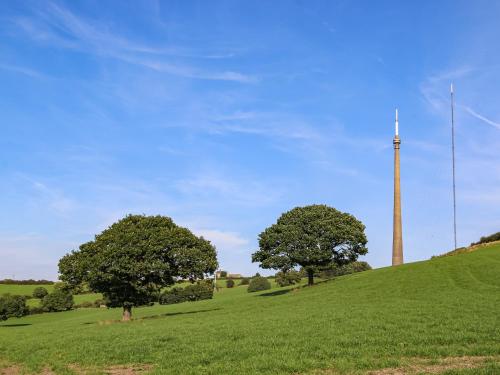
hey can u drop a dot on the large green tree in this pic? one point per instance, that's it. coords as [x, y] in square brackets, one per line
[311, 237]
[132, 260]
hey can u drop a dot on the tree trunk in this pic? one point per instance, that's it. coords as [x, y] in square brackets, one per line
[127, 313]
[310, 277]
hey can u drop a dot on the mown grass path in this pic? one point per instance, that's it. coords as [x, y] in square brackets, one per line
[446, 307]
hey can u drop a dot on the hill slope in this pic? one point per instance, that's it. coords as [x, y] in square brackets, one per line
[443, 308]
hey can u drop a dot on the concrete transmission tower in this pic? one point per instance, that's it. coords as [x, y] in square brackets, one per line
[397, 235]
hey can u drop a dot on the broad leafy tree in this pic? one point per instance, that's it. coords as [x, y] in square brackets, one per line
[12, 306]
[311, 237]
[58, 300]
[132, 260]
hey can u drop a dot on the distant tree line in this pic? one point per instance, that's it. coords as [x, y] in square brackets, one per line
[26, 282]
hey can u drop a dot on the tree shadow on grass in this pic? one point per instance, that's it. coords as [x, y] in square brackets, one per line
[294, 289]
[177, 313]
[15, 325]
[276, 293]
[158, 316]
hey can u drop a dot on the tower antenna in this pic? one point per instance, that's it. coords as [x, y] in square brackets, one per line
[397, 235]
[453, 165]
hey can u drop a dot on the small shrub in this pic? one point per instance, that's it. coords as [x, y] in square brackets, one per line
[287, 278]
[194, 292]
[12, 306]
[40, 292]
[485, 239]
[35, 310]
[258, 283]
[360, 266]
[84, 304]
[334, 270]
[245, 281]
[58, 300]
[229, 283]
[198, 292]
[174, 295]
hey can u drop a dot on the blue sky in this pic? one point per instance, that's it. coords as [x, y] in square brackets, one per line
[224, 114]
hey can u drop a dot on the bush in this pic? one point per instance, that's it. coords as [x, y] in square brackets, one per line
[85, 304]
[174, 295]
[360, 266]
[223, 274]
[245, 281]
[334, 270]
[58, 300]
[491, 238]
[258, 283]
[199, 291]
[195, 292]
[12, 306]
[40, 292]
[229, 283]
[287, 278]
[35, 310]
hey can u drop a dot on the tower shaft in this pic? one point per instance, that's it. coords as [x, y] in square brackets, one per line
[397, 235]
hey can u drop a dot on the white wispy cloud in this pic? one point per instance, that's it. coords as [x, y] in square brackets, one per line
[185, 70]
[235, 190]
[23, 70]
[55, 199]
[435, 89]
[224, 241]
[482, 118]
[59, 26]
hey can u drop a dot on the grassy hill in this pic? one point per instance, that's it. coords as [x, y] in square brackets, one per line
[440, 315]
[469, 249]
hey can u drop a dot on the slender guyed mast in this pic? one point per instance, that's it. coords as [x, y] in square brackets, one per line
[453, 166]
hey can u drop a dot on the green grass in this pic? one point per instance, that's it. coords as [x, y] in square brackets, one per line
[25, 290]
[445, 307]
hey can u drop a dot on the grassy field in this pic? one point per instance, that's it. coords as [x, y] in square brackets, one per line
[25, 290]
[443, 312]
[28, 290]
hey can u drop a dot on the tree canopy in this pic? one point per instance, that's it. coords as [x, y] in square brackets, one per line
[58, 300]
[12, 306]
[311, 237]
[132, 260]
